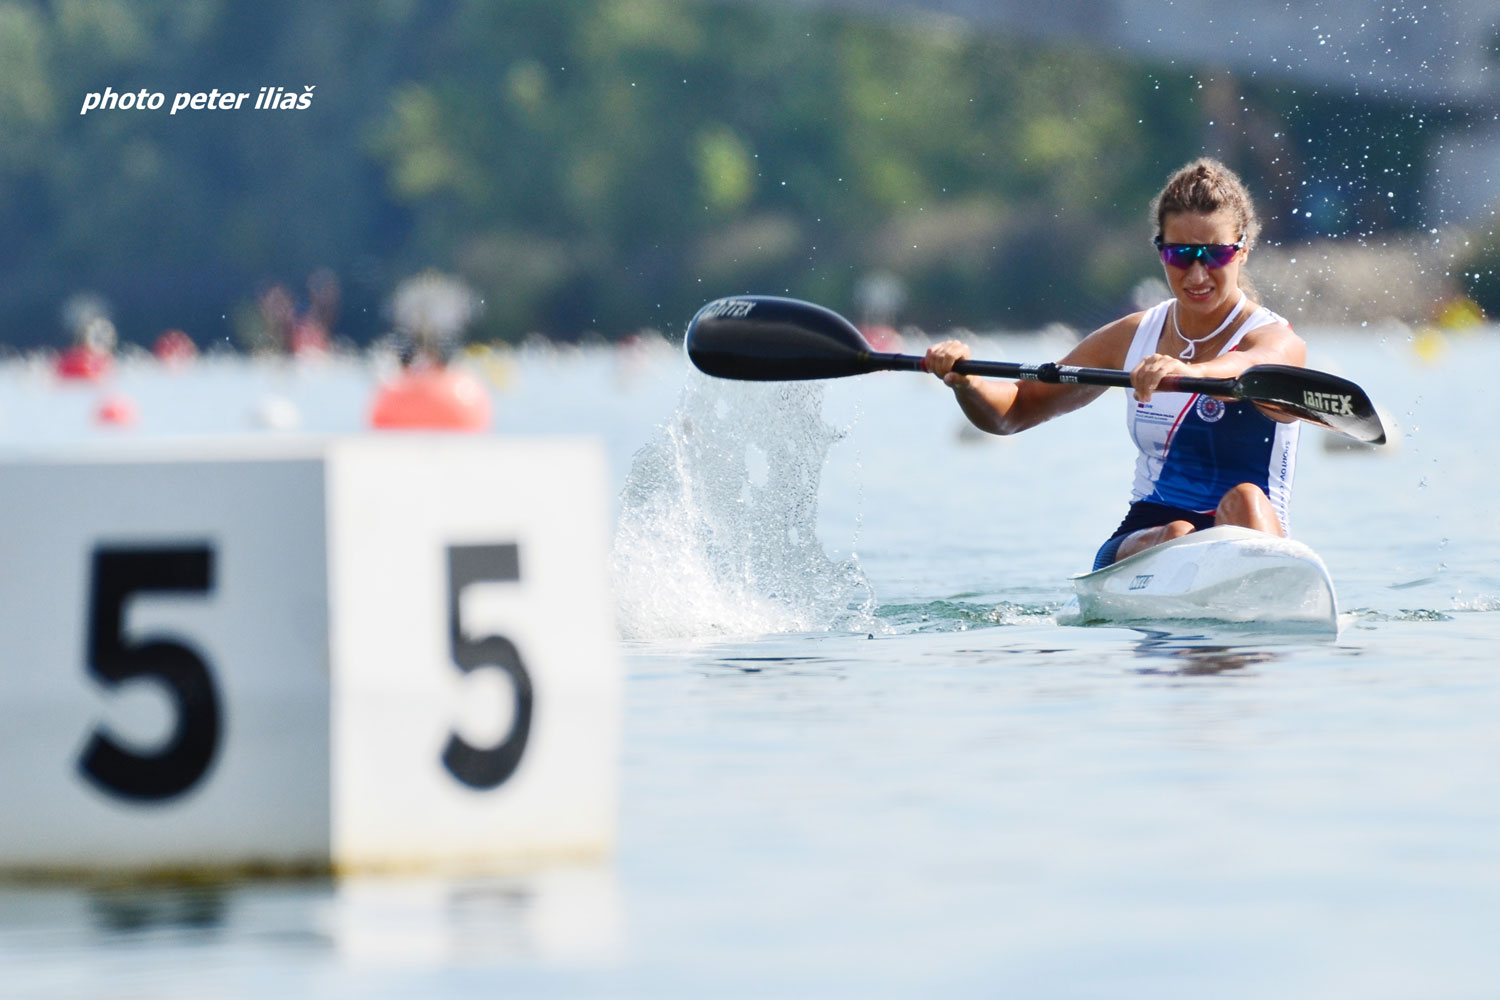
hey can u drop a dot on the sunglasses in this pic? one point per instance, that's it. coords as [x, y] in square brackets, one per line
[1182, 255]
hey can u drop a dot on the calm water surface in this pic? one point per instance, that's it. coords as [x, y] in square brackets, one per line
[903, 778]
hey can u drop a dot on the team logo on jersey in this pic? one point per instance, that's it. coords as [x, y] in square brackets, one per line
[1210, 410]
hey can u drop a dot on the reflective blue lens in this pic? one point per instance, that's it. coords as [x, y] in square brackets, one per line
[1182, 255]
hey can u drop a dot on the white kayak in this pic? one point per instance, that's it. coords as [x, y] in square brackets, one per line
[1224, 574]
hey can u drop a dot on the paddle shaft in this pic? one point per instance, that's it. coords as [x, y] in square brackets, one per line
[1058, 374]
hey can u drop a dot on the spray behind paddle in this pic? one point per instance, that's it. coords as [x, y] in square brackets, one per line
[718, 515]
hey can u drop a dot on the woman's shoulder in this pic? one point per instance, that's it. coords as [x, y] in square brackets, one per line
[1107, 346]
[1269, 331]
[1260, 314]
[1261, 319]
[1128, 324]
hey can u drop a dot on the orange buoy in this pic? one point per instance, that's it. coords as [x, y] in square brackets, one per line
[84, 362]
[432, 399]
[117, 410]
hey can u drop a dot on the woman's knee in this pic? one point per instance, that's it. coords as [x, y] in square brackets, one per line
[1175, 529]
[1247, 493]
[1248, 506]
[1147, 537]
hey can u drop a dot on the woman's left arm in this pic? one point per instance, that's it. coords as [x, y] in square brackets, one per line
[1272, 344]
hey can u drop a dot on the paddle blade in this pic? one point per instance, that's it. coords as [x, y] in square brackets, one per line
[1324, 399]
[765, 338]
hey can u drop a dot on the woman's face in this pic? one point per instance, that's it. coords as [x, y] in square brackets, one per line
[1199, 288]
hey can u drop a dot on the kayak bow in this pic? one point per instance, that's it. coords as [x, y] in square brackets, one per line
[1224, 573]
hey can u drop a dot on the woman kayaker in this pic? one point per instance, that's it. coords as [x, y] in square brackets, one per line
[1203, 461]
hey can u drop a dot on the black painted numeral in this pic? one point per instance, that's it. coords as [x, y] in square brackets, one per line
[486, 767]
[119, 573]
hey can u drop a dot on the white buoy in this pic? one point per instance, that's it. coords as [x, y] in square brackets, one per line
[276, 413]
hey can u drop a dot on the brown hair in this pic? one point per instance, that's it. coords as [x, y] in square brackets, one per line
[1204, 187]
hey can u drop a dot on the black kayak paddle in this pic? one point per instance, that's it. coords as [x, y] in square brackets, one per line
[766, 338]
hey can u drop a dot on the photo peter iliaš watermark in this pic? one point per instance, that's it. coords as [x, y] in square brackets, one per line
[266, 99]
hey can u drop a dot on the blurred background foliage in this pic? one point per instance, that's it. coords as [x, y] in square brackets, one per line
[602, 166]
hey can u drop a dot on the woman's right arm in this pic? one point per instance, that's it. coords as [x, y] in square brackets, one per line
[1004, 407]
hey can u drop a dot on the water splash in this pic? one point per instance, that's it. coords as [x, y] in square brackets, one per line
[1481, 603]
[1364, 616]
[718, 516]
[961, 616]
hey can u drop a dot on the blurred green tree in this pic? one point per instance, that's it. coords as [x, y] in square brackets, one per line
[606, 165]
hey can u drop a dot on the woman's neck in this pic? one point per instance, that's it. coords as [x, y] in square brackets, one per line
[1191, 343]
[1197, 325]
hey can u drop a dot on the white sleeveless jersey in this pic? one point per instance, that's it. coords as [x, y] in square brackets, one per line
[1194, 448]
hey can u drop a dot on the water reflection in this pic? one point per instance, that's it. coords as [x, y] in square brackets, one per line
[757, 664]
[1198, 655]
[567, 914]
[137, 911]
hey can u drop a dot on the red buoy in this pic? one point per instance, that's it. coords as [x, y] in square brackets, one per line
[308, 339]
[84, 362]
[882, 337]
[117, 410]
[174, 347]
